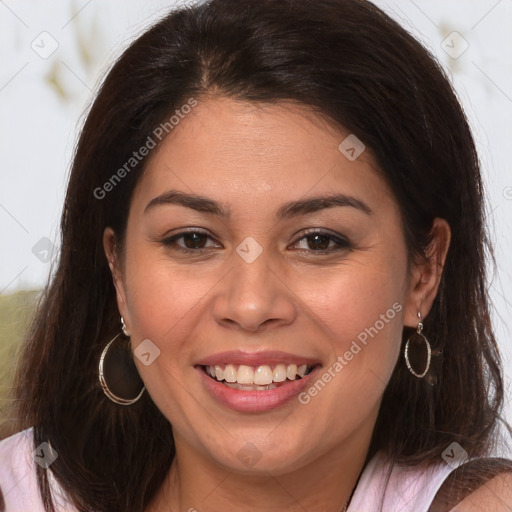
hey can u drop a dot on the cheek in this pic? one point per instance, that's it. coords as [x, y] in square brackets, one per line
[363, 314]
[163, 307]
[361, 306]
[163, 301]
[354, 297]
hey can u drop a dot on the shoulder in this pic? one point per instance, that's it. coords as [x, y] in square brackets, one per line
[495, 495]
[19, 489]
[18, 484]
[476, 485]
[15, 452]
[479, 484]
[390, 485]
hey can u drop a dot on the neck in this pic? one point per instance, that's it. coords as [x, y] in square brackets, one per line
[195, 483]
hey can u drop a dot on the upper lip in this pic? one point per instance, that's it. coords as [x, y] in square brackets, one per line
[271, 357]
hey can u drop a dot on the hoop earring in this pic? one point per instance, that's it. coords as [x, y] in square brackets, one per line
[420, 338]
[124, 329]
[123, 375]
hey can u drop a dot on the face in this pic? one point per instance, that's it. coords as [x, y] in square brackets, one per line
[233, 261]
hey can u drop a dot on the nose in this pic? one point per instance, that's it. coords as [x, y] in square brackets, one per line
[253, 297]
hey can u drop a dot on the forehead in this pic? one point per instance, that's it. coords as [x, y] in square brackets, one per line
[237, 151]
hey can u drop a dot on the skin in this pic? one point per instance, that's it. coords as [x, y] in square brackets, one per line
[495, 495]
[252, 159]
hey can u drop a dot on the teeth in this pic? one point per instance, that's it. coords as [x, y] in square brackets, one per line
[245, 375]
[291, 371]
[244, 387]
[279, 374]
[261, 376]
[230, 373]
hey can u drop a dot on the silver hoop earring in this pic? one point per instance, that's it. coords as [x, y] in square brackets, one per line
[418, 338]
[124, 329]
[124, 379]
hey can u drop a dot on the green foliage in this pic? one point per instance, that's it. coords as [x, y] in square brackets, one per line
[16, 313]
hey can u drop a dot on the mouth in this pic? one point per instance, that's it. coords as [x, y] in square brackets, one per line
[257, 378]
[256, 382]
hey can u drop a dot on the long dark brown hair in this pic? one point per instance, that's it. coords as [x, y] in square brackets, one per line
[352, 64]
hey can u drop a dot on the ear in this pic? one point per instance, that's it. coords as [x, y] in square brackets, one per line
[116, 267]
[425, 276]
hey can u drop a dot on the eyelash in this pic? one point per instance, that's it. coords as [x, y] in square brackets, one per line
[342, 242]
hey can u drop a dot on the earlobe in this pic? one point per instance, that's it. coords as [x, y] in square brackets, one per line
[426, 275]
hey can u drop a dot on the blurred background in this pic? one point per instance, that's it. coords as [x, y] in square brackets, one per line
[54, 55]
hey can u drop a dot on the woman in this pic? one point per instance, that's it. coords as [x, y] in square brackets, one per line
[275, 212]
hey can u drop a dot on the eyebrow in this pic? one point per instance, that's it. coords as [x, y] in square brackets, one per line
[290, 209]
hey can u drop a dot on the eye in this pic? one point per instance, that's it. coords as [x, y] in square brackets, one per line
[323, 242]
[192, 241]
[319, 242]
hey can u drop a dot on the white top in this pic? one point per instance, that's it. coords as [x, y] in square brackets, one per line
[408, 489]
[18, 481]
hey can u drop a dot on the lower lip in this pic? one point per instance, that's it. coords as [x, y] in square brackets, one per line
[255, 401]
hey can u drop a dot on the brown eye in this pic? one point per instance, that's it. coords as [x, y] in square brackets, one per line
[319, 241]
[194, 240]
[188, 241]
